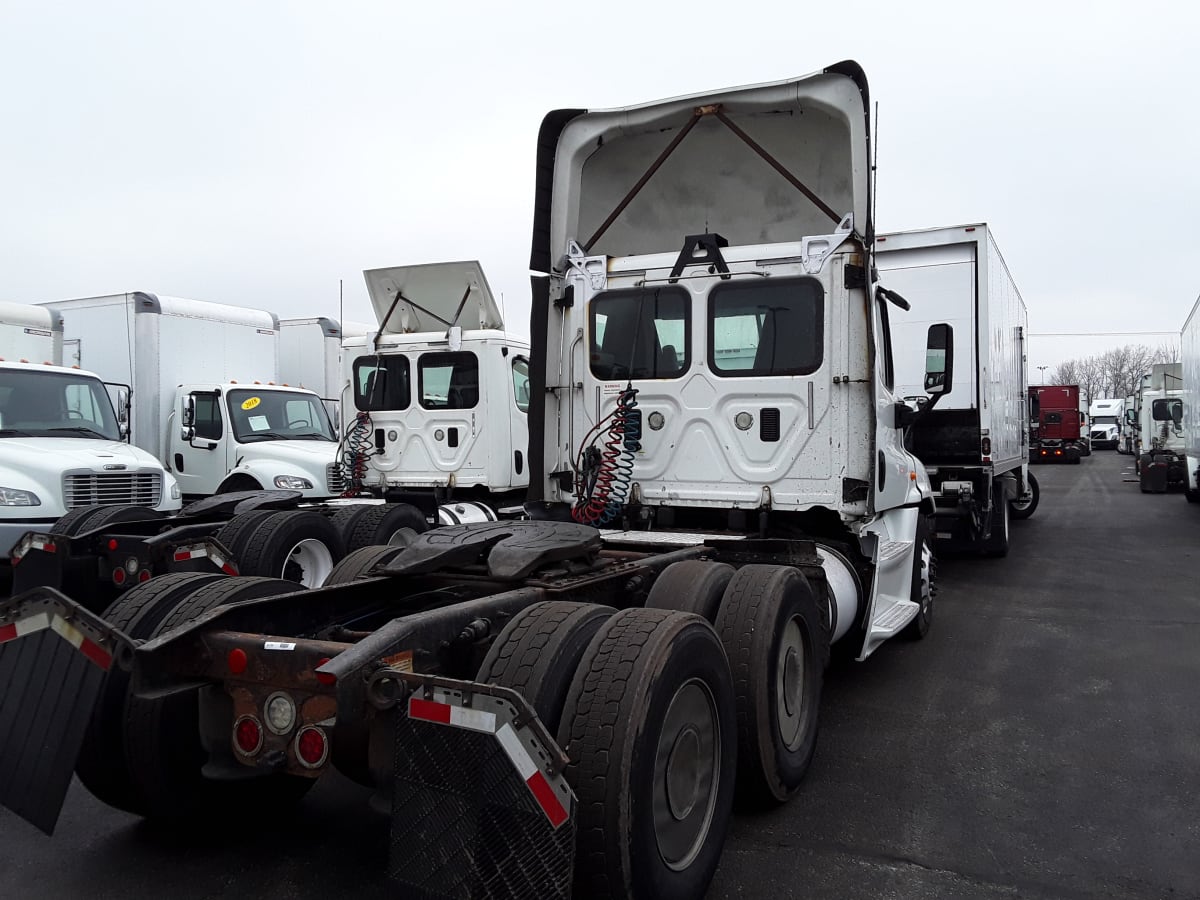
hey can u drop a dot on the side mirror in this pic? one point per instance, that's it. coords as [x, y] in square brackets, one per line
[1177, 414]
[122, 406]
[187, 431]
[939, 359]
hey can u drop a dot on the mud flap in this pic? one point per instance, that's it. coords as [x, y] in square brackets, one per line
[480, 808]
[54, 656]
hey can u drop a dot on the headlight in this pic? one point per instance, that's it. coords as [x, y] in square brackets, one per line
[17, 497]
[293, 483]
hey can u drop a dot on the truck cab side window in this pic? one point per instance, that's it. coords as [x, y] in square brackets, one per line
[208, 417]
[520, 374]
[381, 383]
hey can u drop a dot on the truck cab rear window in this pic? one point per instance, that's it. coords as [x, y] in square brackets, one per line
[640, 333]
[766, 327]
[382, 383]
[449, 380]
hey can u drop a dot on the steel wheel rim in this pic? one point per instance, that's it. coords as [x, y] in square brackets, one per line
[791, 710]
[1021, 505]
[687, 772]
[309, 563]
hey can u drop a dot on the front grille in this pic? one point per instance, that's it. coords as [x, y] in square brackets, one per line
[334, 481]
[1099, 436]
[112, 489]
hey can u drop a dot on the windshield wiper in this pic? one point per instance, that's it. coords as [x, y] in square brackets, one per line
[262, 436]
[80, 429]
[14, 432]
[310, 436]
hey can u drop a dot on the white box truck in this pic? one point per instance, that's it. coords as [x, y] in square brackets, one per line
[722, 403]
[207, 397]
[975, 443]
[62, 444]
[437, 396]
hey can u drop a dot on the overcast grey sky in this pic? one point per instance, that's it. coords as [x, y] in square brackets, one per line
[255, 152]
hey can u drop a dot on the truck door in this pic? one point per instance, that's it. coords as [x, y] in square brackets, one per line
[446, 436]
[517, 413]
[199, 469]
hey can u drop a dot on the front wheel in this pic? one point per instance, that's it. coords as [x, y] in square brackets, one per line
[1023, 508]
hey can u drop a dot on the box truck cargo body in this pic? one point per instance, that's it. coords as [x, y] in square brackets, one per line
[310, 356]
[30, 334]
[975, 442]
[205, 398]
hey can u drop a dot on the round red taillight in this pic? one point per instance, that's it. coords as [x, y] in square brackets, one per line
[118, 576]
[325, 677]
[247, 735]
[144, 575]
[237, 660]
[112, 543]
[312, 748]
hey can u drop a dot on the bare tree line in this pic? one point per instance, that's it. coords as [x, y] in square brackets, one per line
[1114, 373]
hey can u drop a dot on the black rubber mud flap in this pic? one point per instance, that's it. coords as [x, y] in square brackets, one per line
[54, 656]
[480, 808]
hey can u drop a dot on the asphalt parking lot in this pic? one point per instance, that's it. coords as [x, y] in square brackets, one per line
[1043, 742]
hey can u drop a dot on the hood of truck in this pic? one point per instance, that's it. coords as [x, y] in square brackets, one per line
[300, 453]
[761, 164]
[432, 297]
[38, 464]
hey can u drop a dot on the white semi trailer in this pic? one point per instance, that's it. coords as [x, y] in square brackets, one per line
[1190, 368]
[976, 442]
[62, 444]
[547, 708]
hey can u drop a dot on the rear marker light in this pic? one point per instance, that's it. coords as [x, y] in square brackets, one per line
[237, 660]
[112, 543]
[144, 576]
[312, 749]
[247, 735]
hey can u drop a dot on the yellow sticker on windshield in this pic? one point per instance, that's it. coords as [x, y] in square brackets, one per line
[251, 402]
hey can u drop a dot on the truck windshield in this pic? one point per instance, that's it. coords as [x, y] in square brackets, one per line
[278, 416]
[55, 404]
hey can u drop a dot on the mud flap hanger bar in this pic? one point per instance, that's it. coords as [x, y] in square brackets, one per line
[697, 114]
[54, 656]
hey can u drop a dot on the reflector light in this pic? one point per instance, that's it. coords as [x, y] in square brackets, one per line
[325, 677]
[237, 660]
[247, 735]
[118, 576]
[144, 575]
[311, 747]
[112, 543]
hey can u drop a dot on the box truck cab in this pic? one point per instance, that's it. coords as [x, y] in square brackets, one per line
[62, 444]
[206, 397]
[1161, 463]
[437, 397]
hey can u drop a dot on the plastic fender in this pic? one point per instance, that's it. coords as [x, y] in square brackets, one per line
[920, 489]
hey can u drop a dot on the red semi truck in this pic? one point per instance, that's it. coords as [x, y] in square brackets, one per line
[1057, 432]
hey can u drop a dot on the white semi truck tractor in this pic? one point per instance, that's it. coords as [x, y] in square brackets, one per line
[721, 497]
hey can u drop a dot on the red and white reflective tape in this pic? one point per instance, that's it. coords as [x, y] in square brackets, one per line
[532, 775]
[33, 542]
[443, 713]
[64, 629]
[200, 551]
